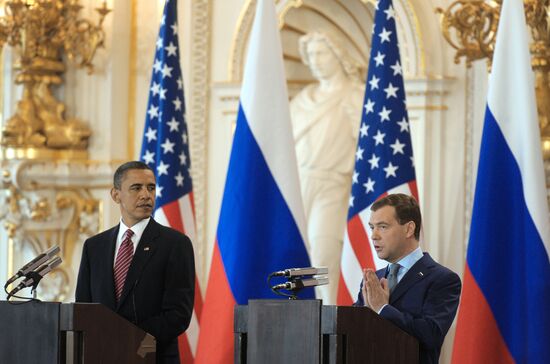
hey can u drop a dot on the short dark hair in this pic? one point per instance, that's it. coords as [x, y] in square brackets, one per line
[406, 209]
[122, 169]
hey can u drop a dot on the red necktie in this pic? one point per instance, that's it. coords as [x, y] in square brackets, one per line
[122, 263]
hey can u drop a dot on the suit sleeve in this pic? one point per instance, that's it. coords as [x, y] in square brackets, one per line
[438, 311]
[178, 296]
[83, 291]
[359, 302]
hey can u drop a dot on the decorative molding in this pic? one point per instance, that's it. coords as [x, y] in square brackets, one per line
[469, 182]
[415, 28]
[45, 203]
[428, 93]
[198, 115]
[142, 47]
[132, 67]
[244, 25]
[408, 25]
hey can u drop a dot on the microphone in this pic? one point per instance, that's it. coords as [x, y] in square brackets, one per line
[298, 272]
[35, 276]
[33, 264]
[301, 283]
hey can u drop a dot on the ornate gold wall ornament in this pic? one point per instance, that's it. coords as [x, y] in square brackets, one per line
[42, 32]
[470, 27]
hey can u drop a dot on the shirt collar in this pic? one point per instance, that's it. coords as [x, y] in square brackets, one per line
[410, 259]
[137, 229]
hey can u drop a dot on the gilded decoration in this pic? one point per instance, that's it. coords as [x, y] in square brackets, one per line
[470, 27]
[43, 33]
[39, 212]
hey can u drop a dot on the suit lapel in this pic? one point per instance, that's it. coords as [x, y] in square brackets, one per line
[419, 271]
[108, 252]
[143, 253]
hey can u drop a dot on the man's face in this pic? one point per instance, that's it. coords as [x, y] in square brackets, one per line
[136, 195]
[391, 240]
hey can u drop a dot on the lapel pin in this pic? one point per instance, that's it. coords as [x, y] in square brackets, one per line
[146, 248]
[421, 274]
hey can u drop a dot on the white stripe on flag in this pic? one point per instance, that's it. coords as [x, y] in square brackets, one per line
[264, 99]
[188, 217]
[192, 333]
[160, 217]
[351, 270]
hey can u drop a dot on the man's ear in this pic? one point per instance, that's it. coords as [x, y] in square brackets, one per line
[115, 195]
[411, 227]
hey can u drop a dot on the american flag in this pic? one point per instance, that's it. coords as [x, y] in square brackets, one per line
[384, 159]
[165, 148]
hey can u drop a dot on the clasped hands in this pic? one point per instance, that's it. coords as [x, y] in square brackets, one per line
[376, 293]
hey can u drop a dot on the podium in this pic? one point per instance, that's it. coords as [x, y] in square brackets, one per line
[306, 332]
[52, 332]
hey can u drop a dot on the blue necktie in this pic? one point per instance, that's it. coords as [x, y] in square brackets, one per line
[392, 276]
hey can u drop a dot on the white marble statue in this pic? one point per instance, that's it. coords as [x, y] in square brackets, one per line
[326, 117]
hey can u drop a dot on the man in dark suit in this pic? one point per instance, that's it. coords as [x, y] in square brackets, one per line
[146, 275]
[414, 292]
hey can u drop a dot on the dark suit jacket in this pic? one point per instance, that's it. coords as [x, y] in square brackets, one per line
[158, 293]
[424, 304]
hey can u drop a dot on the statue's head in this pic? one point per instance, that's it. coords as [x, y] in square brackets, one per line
[325, 56]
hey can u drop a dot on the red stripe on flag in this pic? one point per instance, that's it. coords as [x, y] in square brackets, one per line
[414, 189]
[383, 195]
[343, 298]
[478, 339]
[216, 336]
[359, 241]
[185, 350]
[173, 215]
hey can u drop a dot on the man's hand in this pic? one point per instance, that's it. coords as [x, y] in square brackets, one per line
[364, 290]
[376, 293]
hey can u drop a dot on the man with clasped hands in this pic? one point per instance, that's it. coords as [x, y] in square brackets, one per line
[414, 292]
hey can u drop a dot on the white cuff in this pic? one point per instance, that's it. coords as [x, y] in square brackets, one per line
[381, 308]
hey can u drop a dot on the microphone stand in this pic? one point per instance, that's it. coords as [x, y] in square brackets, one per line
[292, 296]
[32, 279]
[296, 283]
[36, 279]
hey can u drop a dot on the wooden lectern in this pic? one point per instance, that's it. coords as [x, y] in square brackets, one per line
[306, 332]
[52, 332]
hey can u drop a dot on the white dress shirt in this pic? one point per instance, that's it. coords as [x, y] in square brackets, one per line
[138, 232]
[406, 263]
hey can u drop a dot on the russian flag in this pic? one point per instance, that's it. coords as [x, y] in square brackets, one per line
[262, 225]
[504, 315]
